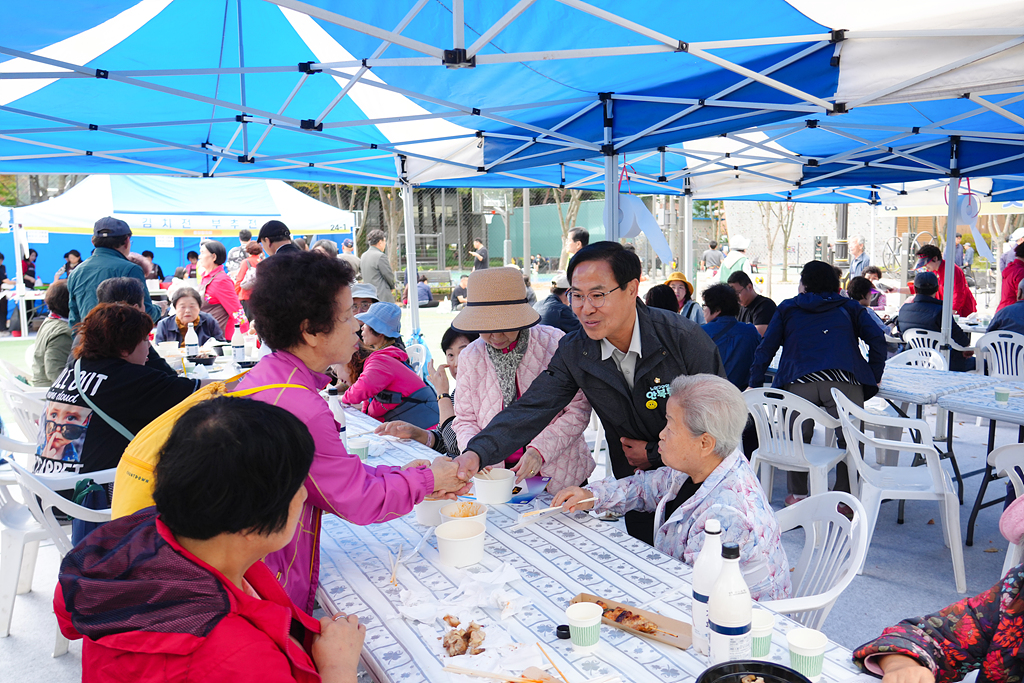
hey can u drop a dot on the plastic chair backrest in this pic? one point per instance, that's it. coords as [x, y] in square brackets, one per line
[1003, 353]
[920, 358]
[834, 549]
[417, 357]
[778, 418]
[13, 372]
[27, 411]
[1009, 460]
[42, 500]
[922, 339]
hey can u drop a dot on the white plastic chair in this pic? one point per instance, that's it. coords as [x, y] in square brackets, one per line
[12, 371]
[1002, 353]
[41, 499]
[920, 357]
[1004, 461]
[27, 411]
[926, 339]
[930, 482]
[834, 549]
[779, 417]
[417, 357]
[20, 534]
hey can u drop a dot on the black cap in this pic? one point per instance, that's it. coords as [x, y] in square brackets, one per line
[109, 226]
[562, 631]
[730, 551]
[926, 282]
[273, 229]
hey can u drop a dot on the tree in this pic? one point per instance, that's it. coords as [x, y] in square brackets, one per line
[776, 217]
[786, 226]
[568, 219]
[391, 203]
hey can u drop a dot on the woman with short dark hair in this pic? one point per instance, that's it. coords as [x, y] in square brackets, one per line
[186, 305]
[662, 296]
[71, 260]
[229, 490]
[218, 290]
[54, 339]
[304, 307]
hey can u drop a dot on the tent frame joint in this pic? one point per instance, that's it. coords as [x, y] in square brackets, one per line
[246, 159]
[838, 35]
[102, 73]
[608, 150]
[307, 68]
[311, 124]
[683, 46]
[837, 108]
[458, 58]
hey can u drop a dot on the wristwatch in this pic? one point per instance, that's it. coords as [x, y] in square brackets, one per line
[447, 396]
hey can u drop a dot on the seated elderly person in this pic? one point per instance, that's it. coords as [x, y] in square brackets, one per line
[925, 313]
[859, 289]
[554, 310]
[193, 599]
[705, 477]
[187, 303]
[54, 339]
[131, 291]
[736, 341]
[1009, 318]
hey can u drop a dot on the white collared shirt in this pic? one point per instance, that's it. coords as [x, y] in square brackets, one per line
[625, 362]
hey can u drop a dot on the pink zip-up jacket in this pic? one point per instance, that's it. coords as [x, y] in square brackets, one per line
[567, 459]
[384, 369]
[338, 483]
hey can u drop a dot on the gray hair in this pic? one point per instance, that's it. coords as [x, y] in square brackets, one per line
[857, 239]
[327, 246]
[712, 405]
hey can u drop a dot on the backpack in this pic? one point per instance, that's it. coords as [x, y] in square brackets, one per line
[249, 279]
[134, 480]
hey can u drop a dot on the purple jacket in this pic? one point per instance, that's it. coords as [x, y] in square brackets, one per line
[338, 482]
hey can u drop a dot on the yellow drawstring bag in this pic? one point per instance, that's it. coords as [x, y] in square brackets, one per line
[134, 480]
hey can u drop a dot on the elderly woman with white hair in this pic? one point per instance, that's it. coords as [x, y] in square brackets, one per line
[705, 477]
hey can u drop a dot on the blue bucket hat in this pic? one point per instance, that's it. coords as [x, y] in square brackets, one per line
[383, 318]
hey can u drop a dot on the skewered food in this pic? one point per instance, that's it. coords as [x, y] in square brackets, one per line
[628, 619]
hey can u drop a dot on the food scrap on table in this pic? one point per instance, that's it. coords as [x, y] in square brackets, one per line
[463, 641]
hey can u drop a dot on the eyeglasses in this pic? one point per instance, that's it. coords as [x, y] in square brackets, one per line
[71, 432]
[362, 307]
[596, 299]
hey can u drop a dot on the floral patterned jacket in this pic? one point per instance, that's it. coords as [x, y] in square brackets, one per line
[986, 632]
[732, 495]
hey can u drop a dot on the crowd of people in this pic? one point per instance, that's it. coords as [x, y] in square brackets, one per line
[242, 483]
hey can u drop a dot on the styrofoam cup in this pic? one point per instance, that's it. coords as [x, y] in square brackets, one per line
[360, 447]
[761, 626]
[1002, 394]
[460, 543]
[428, 512]
[584, 625]
[497, 488]
[807, 651]
[449, 512]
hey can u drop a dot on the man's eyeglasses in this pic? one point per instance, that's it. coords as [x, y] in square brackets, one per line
[71, 432]
[596, 299]
[362, 307]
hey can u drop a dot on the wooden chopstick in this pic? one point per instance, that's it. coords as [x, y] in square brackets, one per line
[558, 507]
[661, 630]
[488, 674]
[548, 657]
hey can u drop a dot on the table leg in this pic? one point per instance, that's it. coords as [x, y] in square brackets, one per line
[986, 478]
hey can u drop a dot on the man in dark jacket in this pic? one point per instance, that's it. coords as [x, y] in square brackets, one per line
[736, 341]
[376, 268]
[554, 310]
[623, 359]
[925, 313]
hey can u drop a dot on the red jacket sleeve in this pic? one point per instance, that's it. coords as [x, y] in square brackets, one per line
[221, 290]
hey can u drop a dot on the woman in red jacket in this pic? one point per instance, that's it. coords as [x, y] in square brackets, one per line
[218, 289]
[253, 255]
[178, 592]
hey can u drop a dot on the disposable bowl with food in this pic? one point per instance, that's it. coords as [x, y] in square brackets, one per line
[464, 510]
[495, 486]
[735, 672]
[428, 512]
[460, 542]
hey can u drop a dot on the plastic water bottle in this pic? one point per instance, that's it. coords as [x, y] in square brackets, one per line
[334, 401]
[191, 341]
[238, 344]
[706, 571]
[730, 611]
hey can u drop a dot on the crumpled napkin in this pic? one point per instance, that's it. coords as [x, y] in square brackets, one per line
[476, 592]
[500, 653]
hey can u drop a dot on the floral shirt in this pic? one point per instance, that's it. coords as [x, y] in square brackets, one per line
[732, 495]
[986, 632]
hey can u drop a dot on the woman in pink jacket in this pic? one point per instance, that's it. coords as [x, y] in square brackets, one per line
[495, 370]
[387, 388]
[218, 289]
[304, 306]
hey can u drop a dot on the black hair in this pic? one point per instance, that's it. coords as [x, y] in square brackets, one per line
[739, 278]
[930, 251]
[179, 272]
[625, 264]
[558, 291]
[874, 270]
[192, 255]
[121, 290]
[110, 242]
[33, 251]
[819, 278]
[839, 276]
[148, 253]
[245, 235]
[859, 287]
[69, 253]
[1018, 250]
[451, 335]
[422, 278]
[477, 239]
[722, 299]
[57, 298]
[231, 465]
[220, 254]
[713, 244]
[302, 288]
[182, 292]
[375, 236]
[662, 296]
[581, 235]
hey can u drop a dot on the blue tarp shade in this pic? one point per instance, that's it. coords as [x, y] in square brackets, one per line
[136, 195]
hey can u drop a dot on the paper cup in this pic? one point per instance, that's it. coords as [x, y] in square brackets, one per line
[1002, 394]
[807, 651]
[496, 488]
[165, 348]
[360, 447]
[761, 626]
[428, 512]
[584, 625]
[464, 510]
[460, 543]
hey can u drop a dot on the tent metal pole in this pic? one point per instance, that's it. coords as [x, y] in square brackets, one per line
[611, 198]
[948, 275]
[526, 229]
[20, 247]
[874, 224]
[688, 239]
[458, 25]
[410, 257]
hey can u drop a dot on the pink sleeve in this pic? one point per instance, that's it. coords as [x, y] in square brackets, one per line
[468, 395]
[224, 294]
[374, 378]
[339, 483]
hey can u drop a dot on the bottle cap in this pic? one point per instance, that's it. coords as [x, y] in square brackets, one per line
[562, 632]
[332, 391]
[730, 551]
[713, 526]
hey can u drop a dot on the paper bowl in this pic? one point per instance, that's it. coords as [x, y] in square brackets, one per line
[464, 510]
[460, 543]
[166, 348]
[496, 489]
[428, 512]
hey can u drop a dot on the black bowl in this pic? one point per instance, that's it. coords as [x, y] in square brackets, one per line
[246, 364]
[733, 672]
[208, 360]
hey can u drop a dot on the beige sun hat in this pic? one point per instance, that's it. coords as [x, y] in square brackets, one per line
[496, 303]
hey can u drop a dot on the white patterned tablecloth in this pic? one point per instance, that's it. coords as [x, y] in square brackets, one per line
[981, 402]
[556, 558]
[924, 386]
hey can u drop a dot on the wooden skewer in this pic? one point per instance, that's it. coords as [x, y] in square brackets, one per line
[488, 674]
[482, 474]
[548, 657]
[661, 630]
[363, 433]
[558, 507]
